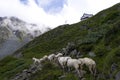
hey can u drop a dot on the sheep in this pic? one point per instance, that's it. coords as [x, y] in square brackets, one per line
[41, 60]
[35, 60]
[45, 57]
[51, 57]
[76, 64]
[62, 61]
[58, 55]
[90, 64]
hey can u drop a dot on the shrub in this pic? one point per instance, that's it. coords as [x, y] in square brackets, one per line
[100, 50]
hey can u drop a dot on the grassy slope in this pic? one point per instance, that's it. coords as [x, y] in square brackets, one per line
[99, 34]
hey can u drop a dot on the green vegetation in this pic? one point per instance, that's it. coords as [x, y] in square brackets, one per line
[99, 34]
[10, 66]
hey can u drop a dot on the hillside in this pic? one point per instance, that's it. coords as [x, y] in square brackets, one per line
[98, 34]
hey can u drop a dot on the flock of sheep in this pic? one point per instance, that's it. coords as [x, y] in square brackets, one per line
[66, 63]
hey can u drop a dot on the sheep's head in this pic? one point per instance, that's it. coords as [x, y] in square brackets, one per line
[33, 58]
[81, 60]
[45, 57]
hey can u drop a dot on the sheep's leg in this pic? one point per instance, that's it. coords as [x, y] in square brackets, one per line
[63, 68]
[80, 69]
[34, 62]
[79, 73]
[69, 69]
[90, 69]
[77, 68]
[60, 66]
[66, 68]
[94, 70]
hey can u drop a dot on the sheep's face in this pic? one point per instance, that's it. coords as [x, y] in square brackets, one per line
[33, 58]
[45, 57]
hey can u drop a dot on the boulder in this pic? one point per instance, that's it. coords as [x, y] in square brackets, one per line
[64, 51]
[70, 46]
[74, 53]
[114, 67]
[91, 54]
[18, 55]
[101, 76]
[61, 77]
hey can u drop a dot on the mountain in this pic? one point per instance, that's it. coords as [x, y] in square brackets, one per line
[96, 37]
[14, 33]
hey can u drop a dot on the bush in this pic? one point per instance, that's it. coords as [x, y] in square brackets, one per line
[110, 59]
[100, 50]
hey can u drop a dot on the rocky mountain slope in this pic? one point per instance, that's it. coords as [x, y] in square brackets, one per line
[97, 38]
[14, 33]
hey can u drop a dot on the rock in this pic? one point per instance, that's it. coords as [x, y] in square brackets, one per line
[74, 53]
[91, 54]
[70, 46]
[83, 79]
[101, 76]
[64, 51]
[61, 77]
[26, 73]
[117, 76]
[79, 55]
[114, 67]
[18, 55]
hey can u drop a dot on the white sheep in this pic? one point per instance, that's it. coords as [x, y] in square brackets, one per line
[59, 55]
[62, 61]
[51, 57]
[35, 60]
[76, 64]
[90, 64]
[39, 60]
[56, 56]
[45, 57]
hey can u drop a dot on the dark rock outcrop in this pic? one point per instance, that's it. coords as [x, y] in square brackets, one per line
[27, 73]
[71, 50]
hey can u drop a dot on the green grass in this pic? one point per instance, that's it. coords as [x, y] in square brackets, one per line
[10, 66]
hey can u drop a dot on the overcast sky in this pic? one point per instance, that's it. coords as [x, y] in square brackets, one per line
[52, 12]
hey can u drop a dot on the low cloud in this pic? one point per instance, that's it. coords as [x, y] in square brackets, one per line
[69, 11]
